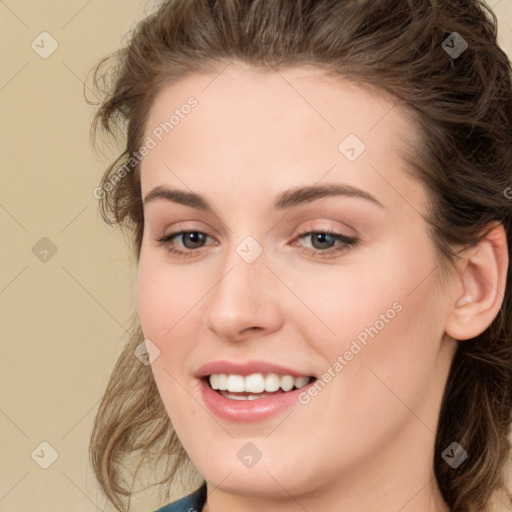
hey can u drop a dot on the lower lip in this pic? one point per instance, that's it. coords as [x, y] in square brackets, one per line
[248, 410]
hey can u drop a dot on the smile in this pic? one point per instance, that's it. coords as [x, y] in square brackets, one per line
[254, 386]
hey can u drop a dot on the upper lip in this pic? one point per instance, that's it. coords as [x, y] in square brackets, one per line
[246, 368]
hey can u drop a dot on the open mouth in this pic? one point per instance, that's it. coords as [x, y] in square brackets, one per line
[254, 386]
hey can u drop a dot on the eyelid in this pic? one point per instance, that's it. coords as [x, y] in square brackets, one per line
[309, 227]
[186, 226]
[324, 225]
[334, 252]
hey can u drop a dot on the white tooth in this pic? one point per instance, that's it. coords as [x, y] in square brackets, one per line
[255, 383]
[222, 381]
[301, 382]
[286, 382]
[235, 397]
[214, 381]
[236, 383]
[271, 382]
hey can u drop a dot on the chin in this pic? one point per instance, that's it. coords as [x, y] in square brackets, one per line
[269, 477]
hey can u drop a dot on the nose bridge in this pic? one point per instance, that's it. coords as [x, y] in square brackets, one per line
[240, 299]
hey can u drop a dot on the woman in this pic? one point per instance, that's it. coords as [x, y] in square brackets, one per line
[319, 194]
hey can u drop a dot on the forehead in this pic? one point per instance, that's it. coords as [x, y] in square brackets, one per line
[242, 96]
[282, 125]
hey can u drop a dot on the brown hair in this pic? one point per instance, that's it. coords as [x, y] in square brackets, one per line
[462, 107]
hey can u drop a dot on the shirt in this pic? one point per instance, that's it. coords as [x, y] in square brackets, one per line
[192, 503]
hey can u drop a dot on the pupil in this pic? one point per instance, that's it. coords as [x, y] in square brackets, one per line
[321, 238]
[195, 237]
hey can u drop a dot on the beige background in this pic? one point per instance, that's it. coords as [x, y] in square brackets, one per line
[63, 320]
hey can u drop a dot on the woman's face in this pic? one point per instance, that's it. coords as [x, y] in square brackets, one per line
[246, 293]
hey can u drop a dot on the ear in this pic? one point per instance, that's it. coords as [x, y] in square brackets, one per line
[479, 287]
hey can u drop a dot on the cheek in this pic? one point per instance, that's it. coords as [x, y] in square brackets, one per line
[394, 358]
[162, 299]
[363, 297]
[151, 300]
[386, 321]
[169, 314]
[162, 309]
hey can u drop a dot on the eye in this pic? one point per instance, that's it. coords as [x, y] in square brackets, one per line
[327, 239]
[190, 240]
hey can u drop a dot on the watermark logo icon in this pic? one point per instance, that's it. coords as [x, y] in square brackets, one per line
[44, 250]
[44, 455]
[249, 249]
[44, 45]
[454, 45]
[351, 147]
[249, 455]
[146, 352]
[454, 455]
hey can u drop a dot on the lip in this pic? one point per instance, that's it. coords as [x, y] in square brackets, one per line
[248, 411]
[247, 368]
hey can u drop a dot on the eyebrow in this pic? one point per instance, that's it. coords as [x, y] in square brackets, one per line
[287, 199]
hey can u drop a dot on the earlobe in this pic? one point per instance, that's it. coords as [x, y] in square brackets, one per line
[482, 278]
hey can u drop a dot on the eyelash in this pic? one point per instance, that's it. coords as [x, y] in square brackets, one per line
[348, 243]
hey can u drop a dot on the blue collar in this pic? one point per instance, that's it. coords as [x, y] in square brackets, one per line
[192, 503]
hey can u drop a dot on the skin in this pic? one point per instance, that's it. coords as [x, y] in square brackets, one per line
[366, 441]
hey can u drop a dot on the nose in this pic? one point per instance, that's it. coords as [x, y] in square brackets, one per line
[243, 303]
